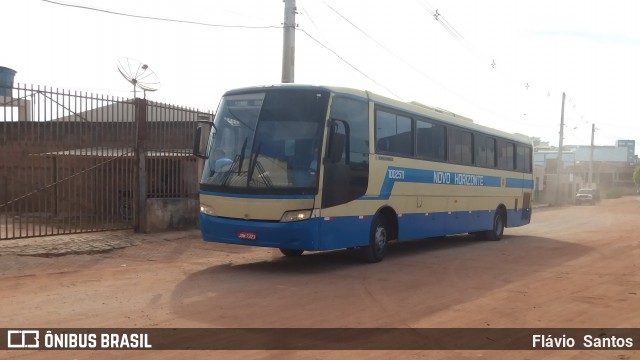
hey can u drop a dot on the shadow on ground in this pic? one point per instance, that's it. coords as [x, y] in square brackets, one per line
[334, 286]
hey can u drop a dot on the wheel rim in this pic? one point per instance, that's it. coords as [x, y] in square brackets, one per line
[380, 239]
[499, 226]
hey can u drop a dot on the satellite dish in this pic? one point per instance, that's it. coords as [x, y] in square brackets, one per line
[139, 75]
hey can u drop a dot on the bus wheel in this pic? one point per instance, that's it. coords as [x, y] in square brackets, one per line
[497, 231]
[291, 252]
[378, 240]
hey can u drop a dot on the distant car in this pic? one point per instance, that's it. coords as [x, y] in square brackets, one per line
[589, 196]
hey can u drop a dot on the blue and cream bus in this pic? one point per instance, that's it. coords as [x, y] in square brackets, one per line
[307, 168]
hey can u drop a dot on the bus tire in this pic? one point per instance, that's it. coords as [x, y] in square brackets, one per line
[291, 252]
[495, 234]
[378, 240]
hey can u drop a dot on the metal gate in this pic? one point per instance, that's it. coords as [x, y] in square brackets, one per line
[74, 162]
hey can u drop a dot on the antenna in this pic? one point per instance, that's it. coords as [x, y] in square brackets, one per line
[139, 75]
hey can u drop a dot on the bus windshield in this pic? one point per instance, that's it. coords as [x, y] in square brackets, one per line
[267, 142]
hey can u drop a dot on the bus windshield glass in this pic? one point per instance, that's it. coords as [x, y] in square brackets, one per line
[267, 142]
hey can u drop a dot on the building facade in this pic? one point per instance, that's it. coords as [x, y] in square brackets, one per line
[601, 167]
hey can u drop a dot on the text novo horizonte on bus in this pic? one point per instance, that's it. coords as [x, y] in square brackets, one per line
[441, 177]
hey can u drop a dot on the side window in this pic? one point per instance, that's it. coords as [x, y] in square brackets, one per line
[485, 151]
[506, 155]
[491, 152]
[430, 141]
[385, 130]
[460, 146]
[523, 159]
[356, 113]
[393, 134]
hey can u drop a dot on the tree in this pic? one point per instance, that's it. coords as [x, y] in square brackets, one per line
[636, 176]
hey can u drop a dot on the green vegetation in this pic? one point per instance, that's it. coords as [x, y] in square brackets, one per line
[636, 175]
[614, 193]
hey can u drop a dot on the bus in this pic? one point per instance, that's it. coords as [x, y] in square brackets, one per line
[310, 168]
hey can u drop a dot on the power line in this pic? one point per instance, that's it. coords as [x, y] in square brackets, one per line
[436, 14]
[395, 55]
[356, 26]
[508, 77]
[466, 44]
[159, 18]
[218, 25]
[442, 21]
[308, 14]
[382, 45]
[419, 71]
[348, 63]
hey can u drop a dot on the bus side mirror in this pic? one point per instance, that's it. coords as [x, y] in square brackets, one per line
[338, 142]
[200, 143]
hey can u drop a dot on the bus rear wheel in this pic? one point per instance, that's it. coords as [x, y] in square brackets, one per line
[497, 231]
[378, 241]
[291, 252]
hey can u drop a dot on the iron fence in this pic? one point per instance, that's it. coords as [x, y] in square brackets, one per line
[78, 162]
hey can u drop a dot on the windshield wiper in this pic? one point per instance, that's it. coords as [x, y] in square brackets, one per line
[252, 160]
[244, 147]
[236, 162]
[253, 163]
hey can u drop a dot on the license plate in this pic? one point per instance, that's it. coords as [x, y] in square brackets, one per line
[247, 235]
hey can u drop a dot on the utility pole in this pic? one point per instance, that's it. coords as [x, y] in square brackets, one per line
[560, 145]
[593, 131]
[289, 41]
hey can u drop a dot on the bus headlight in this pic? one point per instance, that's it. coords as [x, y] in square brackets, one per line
[207, 209]
[299, 215]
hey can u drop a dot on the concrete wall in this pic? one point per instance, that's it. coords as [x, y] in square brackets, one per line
[171, 214]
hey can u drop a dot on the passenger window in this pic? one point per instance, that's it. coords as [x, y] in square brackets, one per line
[460, 146]
[506, 156]
[430, 141]
[491, 152]
[523, 160]
[485, 151]
[393, 134]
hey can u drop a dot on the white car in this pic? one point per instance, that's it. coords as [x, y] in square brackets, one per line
[588, 196]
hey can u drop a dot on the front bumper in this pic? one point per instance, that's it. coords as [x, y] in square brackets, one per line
[300, 235]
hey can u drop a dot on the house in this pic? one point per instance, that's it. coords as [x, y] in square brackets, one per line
[602, 167]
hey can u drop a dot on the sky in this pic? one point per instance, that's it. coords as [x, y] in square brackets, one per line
[503, 63]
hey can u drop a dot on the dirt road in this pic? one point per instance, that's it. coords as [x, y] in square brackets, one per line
[574, 266]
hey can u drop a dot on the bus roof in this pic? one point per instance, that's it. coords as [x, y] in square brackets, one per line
[411, 107]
